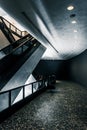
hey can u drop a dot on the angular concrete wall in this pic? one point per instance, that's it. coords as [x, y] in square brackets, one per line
[25, 70]
[21, 76]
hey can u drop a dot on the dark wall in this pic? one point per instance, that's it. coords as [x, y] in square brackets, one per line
[74, 69]
[78, 68]
[49, 67]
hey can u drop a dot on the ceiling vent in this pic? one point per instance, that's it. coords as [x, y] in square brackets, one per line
[72, 15]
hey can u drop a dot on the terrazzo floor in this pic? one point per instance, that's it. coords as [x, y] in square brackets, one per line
[62, 108]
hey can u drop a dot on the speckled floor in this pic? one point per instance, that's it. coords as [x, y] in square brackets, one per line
[63, 108]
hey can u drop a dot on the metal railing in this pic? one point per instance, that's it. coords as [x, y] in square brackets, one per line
[25, 37]
[13, 28]
[23, 43]
[11, 97]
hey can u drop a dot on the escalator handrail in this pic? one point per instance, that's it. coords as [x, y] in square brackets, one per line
[15, 49]
[22, 33]
[18, 41]
[9, 32]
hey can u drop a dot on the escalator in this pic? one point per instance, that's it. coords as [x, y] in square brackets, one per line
[11, 47]
[18, 58]
[11, 32]
[19, 55]
[13, 61]
[15, 52]
[11, 37]
[21, 69]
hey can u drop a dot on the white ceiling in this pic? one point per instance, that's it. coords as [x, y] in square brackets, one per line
[49, 21]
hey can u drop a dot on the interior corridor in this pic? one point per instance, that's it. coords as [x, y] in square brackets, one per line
[61, 108]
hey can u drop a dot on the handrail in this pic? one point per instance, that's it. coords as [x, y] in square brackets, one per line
[7, 30]
[26, 36]
[9, 93]
[10, 100]
[14, 28]
[20, 87]
[13, 50]
[20, 42]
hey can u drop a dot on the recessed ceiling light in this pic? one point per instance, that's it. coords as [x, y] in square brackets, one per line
[75, 30]
[74, 22]
[70, 7]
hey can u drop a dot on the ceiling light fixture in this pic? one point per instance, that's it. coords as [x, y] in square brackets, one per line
[75, 31]
[74, 22]
[70, 7]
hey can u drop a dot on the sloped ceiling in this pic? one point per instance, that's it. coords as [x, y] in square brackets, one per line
[51, 23]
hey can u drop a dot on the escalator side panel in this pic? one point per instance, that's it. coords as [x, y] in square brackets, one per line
[20, 77]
